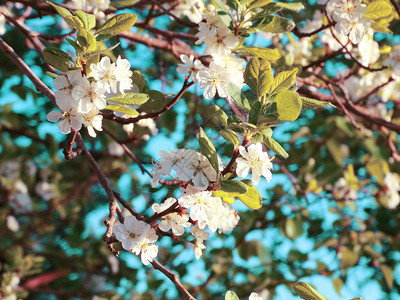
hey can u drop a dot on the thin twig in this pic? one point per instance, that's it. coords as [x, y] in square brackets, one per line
[174, 278]
[40, 86]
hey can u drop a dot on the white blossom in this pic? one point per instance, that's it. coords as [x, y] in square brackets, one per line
[132, 233]
[93, 120]
[189, 8]
[214, 79]
[12, 223]
[392, 190]
[146, 248]
[69, 116]
[203, 207]
[89, 94]
[200, 236]
[123, 74]
[190, 66]
[255, 160]
[254, 296]
[115, 149]
[175, 221]
[104, 74]
[2, 24]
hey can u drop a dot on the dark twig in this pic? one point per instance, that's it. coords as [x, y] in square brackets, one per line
[157, 216]
[174, 278]
[120, 120]
[40, 86]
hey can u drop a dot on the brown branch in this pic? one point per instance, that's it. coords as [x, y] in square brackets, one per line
[68, 153]
[40, 86]
[120, 120]
[128, 206]
[174, 278]
[157, 216]
[324, 59]
[373, 91]
[396, 6]
[299, 34]
[235, 155]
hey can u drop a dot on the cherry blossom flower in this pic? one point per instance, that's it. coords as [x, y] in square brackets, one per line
[213, 79]
[255, 160]
[69, 116]
[104, 74]
[146, 248]
[190, 66]
[175, 221]
[200, 236]
[123, 74]
[132, 233]
[89, 93]
[254, 296]
[392, 190]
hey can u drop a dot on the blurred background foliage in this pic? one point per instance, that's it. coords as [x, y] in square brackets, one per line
[325, 219]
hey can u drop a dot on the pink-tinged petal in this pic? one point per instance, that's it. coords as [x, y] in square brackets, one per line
[130, 223]
[64, 126]
[164, 226]
[128, 244]
[181, 69]
[200, 181]
[54, 116]
[60, 82]
[76, 124]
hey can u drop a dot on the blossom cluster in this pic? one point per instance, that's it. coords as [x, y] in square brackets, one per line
[81, 97]
[225, 66]
[138, 237]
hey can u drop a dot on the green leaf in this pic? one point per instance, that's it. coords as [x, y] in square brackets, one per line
[115, 25]
[86, 40]
[208, 150]
[71, 20]
[307, 292]
[297, 6]
[265, 53]
[88, 20]
[288, 105]
[139, 80]
[230, 136]
[233, 186]
[349, 259]
[92, 58]
[308, 103]
[378, 9]
[294, 227]
[252, 198]
[258, 76]
[216, 112]
[255, 113]
[155, 104]
[283, 81]
[258, 3]
[388, 275]
[231, 296]
[273, 145]
[130, 99]
[223, 13]
[57, 58]
[74, 44]
[122, 109]
[123, 2]
[226, 197]
[238, 96]
[278, 25]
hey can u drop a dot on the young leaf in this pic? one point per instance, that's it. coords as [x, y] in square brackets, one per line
[155, 103]
[273, 145]
[255, 113]
[88, 20]
[230, 136]
[308, 103]
[226, 197]
[307, 292]
[223, 13]
[288, 105]
[215, 112]
[57, 58]
[115, 25]
[297, 6]
[74, 44]
[238, 96]
[283, 81]
[234, 186]
[278, 24]
[265, 53]
[123, 2]
[258, 76]
[208, 150]
[86, 40]
[139, 80]
[130, 99]
[252, 198]
[258, 3]
[378, 9]
[122, 109]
